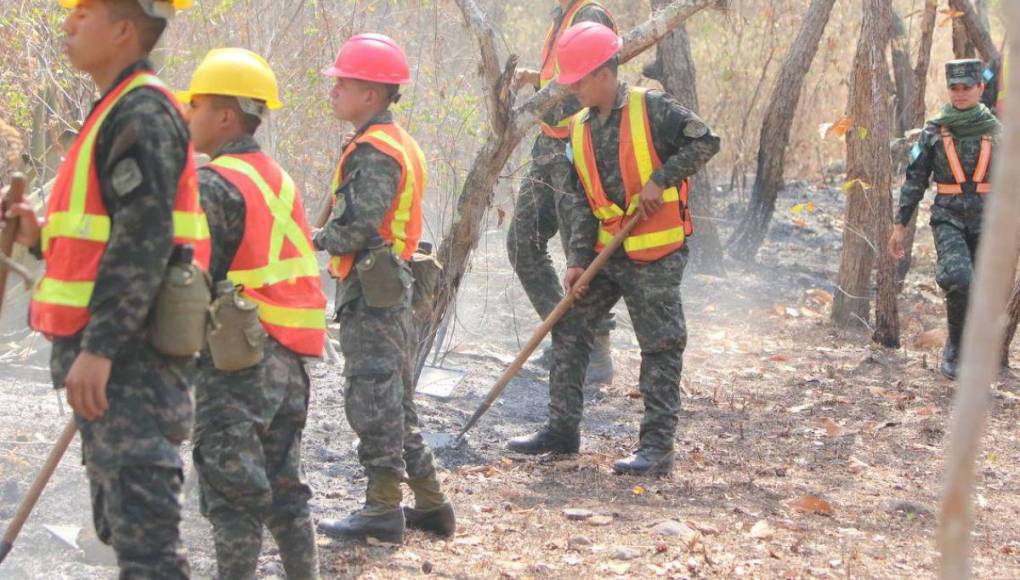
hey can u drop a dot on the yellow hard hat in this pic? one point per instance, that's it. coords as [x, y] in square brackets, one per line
[234, 72]
[175, 4]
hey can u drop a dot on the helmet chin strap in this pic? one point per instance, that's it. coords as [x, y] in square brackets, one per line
[158, 8]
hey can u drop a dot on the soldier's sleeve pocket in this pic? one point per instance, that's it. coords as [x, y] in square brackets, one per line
[126, 177]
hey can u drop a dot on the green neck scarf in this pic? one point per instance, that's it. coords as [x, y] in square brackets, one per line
[974, 122]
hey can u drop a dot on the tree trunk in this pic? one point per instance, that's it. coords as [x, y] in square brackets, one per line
[962, 46]
[903, 73]
[508, 125]
[976, 31]
[869, 171]
[996, 260]
[674, 67]
[914, 119]
[775, 133]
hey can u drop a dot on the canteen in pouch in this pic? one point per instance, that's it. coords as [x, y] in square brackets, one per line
[384, 282]
[179, 316]
[237, 339]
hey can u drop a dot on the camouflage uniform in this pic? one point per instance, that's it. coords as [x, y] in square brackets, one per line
[131, 453]
[248, 424]
[375, 342]
[955, 219]
[537, 213]
[651, 291]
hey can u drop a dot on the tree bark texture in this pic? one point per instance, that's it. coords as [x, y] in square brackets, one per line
[913, 118]
[775, 133]
[977, 31]
[509, 123]
[675, 69]
[982, 337]
[869, 171]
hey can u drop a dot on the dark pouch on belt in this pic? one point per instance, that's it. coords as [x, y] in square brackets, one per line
[382, 286]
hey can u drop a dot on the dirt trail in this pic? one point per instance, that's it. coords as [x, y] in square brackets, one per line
[803, 452]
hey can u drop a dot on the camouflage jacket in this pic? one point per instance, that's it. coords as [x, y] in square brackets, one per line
[140, 154]
[225, 209]
[364, 197]
[683, 141]
[928, 160]
[590, 13]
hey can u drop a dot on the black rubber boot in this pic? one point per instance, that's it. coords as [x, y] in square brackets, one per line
[440, 521]
[956, 310]
[387, 526]
[546, 440]
[950, 360]
[646, 462]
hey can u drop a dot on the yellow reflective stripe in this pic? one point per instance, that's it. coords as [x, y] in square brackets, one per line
[191, 225]
[639, 136]
[577, 140]
[77, 226]
[646, 241]
[276, 272]
[654, 239]
[306, 318]
[402, 216]
[608, 212]
[282, 208]
[61, 293]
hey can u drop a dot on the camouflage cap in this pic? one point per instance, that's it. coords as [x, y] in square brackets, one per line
[966, 71]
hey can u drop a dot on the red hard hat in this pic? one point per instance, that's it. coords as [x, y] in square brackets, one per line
[371, 57]
[583, 48]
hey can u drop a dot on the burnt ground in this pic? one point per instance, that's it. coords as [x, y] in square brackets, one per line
[803, 452]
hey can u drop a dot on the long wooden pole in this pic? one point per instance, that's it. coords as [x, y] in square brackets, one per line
[10, 230]
[25, 509]
[982, 338]
[546, 327]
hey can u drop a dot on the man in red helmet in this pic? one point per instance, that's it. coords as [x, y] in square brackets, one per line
[374, 230]
[632, 151]
[535, 220]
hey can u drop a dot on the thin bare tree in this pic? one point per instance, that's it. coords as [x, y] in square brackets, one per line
[996, 260]
[775, 133]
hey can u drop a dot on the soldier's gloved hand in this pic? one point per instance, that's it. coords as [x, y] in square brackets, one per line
[650, 199]
[86, 385]
[28, 223]
[896, 242]
[570, 280]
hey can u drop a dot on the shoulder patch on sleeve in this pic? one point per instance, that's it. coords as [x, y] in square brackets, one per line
[695, 128]
[915, 152]
[126, 177]
[570, 152]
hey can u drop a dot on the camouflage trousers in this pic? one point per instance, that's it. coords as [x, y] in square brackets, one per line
[956, 242]
[379, 390]
[652, 295]
[132, 459]
[248, 427]
[535, 221]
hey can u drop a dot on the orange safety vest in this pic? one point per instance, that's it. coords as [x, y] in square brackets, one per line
[665, 231]
[980, 180]
[551, 64]
[401, 228]
[275, 263]
[77, 225]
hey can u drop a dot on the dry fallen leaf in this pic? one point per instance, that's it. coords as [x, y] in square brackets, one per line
[930, 339]
[638, 490]
[832, 428]
[812, 504]
[820, 296]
